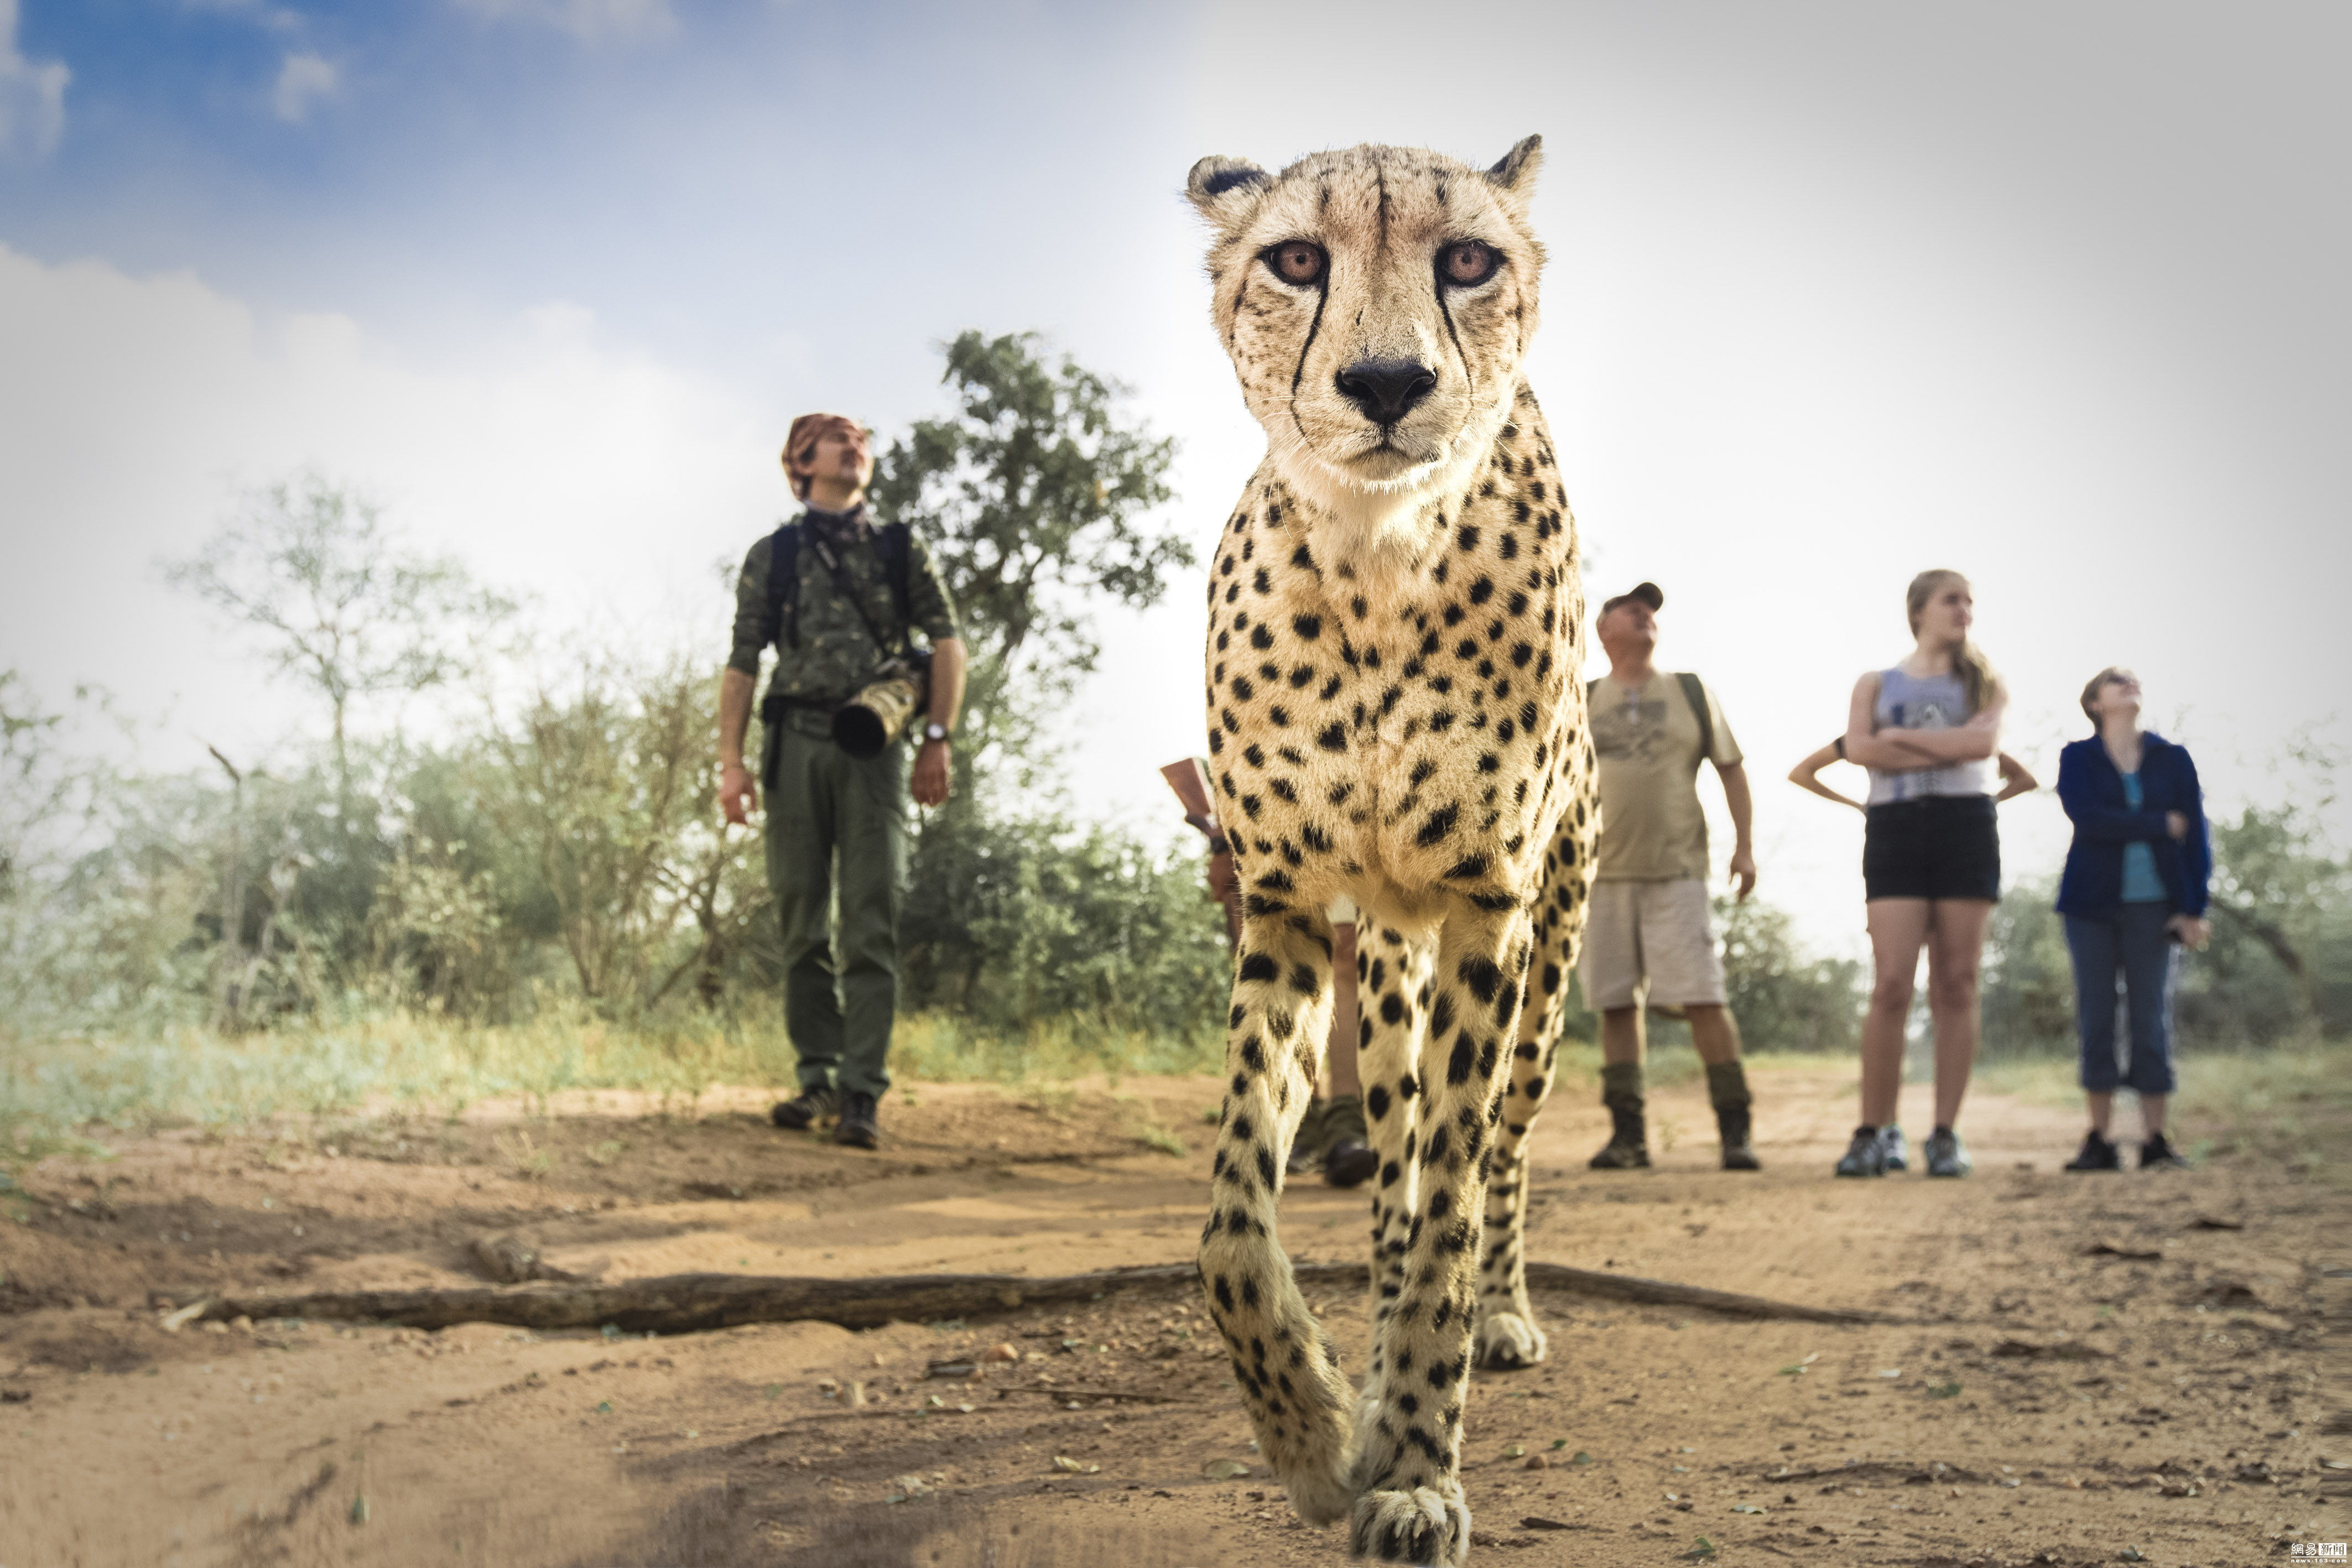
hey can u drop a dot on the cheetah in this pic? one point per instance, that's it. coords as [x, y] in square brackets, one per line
[1394, 714]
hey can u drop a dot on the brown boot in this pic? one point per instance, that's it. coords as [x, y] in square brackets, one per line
[1726, 1085]
[1628, 1148]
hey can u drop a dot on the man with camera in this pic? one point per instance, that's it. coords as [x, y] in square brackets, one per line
[839, 598]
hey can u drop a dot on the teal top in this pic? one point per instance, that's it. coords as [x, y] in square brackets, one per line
[2141, 884]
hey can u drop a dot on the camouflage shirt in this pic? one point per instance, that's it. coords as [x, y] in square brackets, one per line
[836, 655]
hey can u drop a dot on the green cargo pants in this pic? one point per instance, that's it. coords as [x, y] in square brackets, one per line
[837, 845]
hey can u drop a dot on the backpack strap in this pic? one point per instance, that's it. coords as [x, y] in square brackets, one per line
[894, 542]
[782, 625]
[1695, 693]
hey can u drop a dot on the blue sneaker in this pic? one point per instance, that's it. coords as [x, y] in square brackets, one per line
[1947, 1155]
[1898, 1151]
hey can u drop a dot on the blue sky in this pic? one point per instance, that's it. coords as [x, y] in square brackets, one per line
[2053, 294]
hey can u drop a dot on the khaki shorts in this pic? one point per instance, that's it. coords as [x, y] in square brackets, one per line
[1650, 941]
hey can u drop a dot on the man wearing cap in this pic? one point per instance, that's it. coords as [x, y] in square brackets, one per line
[1648, 939]
[841, 607]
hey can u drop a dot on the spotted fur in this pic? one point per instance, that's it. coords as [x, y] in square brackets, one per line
[1394, 714]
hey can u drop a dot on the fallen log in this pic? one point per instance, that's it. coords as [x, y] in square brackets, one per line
[687, 1303]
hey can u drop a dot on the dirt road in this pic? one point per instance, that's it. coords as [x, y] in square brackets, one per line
[2085, 1368]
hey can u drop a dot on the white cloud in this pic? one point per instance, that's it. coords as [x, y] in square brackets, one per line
[302, 81]
[602, 484]
[587, 20]
[32, 94]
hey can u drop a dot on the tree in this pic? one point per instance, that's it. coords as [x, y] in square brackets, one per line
[1036, 498]
[345, 610]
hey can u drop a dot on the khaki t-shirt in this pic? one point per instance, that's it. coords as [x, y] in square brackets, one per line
[1648, 743]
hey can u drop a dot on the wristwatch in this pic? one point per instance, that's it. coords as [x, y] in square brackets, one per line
[935, 730]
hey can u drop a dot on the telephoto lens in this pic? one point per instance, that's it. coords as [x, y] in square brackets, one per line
[869, 721]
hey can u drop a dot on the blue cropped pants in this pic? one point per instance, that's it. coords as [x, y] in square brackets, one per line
[2129, 946]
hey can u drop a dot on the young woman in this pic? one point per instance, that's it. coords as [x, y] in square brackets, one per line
[2134, 890]
[1928, 729]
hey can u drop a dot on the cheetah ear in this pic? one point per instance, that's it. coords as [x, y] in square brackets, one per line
[1224, 189]
[1516, 170]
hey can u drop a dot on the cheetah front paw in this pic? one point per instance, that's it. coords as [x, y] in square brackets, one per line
[1507, 1340]
[1422, 1526]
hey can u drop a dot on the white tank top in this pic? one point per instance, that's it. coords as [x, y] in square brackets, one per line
[1935, 702]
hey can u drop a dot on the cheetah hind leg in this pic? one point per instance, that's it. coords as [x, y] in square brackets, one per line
[1284, 1362]
[1508, 1336]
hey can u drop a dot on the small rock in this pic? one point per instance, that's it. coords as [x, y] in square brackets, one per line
[1537, 1462]
[1001, 1353]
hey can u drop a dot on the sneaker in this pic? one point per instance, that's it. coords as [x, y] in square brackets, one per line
[859, 1128]
[1947, 1155]
[1898, 1150]
[2098, 1155]
[812, 1106]
[1865, 1156]
[1307, 1148]
[2155, 1155]
[1347, 1159]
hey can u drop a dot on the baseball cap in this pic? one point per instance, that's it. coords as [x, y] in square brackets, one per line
[1648, 593]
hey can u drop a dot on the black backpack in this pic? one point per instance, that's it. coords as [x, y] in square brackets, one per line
[892, 542]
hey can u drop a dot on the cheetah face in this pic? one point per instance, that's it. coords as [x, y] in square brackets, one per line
[1377, 303]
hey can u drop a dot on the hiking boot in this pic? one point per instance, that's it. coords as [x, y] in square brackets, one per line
[1947, 1155]
[1738, 1145]
[2155, 1155]
[1347, 1159]
[1628, 1148]
[1306, 1147]
[1726, 1091]
[2098, 1155]
[1896, 1148]
[859, 1127]
[1865, 1156]
[811, 1106]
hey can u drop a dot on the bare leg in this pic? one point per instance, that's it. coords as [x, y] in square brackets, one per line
[1898, 926]
[2151, 1114]
[2103, 1108]
[1287, 1367]
[1955, 934]
[1715, 1034]
[1623, 1037]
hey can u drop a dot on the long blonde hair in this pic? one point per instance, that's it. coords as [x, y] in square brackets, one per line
[1977, 677]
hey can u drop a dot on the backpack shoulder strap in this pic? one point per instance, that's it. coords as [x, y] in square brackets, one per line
[894, 542]
[782, 624]
[1695, 693]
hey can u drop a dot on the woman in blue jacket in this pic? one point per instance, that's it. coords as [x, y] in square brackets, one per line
[2134, 889]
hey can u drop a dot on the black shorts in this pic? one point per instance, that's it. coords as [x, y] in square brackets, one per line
[1943, 846]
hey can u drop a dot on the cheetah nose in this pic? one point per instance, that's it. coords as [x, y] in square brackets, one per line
[1386, 389]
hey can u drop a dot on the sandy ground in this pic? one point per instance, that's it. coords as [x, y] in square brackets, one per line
[2086, 1368]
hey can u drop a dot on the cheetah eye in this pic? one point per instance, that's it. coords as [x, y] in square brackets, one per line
[1297, 262]
[1465, 263]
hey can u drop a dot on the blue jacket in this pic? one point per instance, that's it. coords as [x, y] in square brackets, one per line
[2092, 790]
